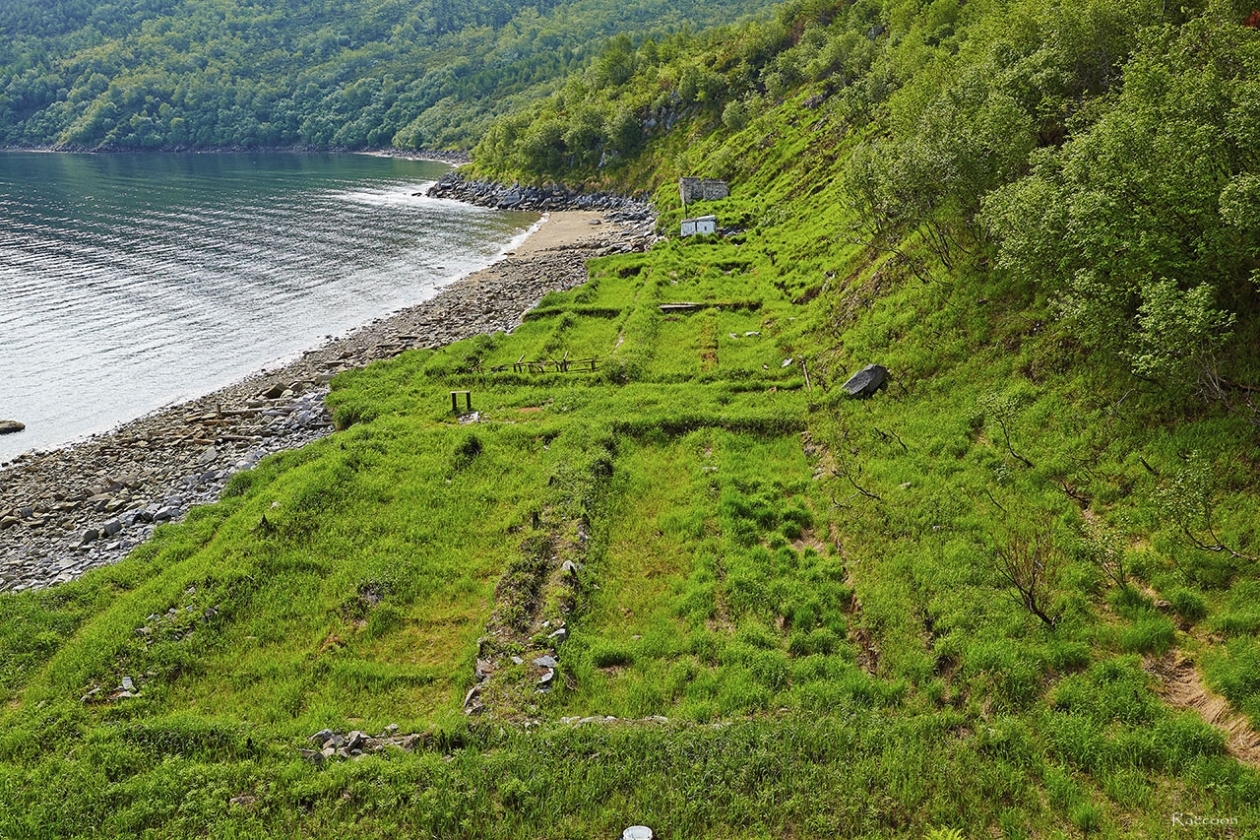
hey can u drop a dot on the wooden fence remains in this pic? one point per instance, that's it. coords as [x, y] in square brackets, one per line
[562, 365]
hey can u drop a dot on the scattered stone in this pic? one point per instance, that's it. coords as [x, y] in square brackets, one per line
[867, 381]
[154, 469]
[546, 662]
[559, 635]
[8, 427]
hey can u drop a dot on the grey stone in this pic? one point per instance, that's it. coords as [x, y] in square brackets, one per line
[111, 527]
[322, 736]
[637, 832]
[127, 684]
[546, 662]
[866, 381]
[8, 427]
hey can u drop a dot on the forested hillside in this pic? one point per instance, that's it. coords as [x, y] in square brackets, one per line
[145, 74]
[1103, 155]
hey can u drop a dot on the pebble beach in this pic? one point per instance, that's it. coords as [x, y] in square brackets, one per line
[72, 509]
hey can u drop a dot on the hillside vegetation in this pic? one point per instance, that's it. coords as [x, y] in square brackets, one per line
[1012, 594]
[198, 74]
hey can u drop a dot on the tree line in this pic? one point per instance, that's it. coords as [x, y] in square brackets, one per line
[179, 74]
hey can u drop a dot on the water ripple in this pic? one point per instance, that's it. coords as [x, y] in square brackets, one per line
[129, 282]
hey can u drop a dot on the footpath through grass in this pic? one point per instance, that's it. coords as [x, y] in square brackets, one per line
[793, 603]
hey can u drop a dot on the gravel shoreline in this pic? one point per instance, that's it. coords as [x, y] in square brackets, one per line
[68, 510]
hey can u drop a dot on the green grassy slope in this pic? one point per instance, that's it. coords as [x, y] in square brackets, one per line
[865, 669]
[793, 603]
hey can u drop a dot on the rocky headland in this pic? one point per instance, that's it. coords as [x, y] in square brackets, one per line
[542, 199]
[68, 510]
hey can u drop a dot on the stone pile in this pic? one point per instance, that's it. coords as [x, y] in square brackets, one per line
[331, 746]
[439, 155]
[73, 509]
[67, 511]
[517, 197]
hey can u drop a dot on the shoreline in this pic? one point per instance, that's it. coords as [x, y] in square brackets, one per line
[67, 510]
[454, 159]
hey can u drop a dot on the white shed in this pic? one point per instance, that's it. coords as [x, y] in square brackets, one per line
[700, 224]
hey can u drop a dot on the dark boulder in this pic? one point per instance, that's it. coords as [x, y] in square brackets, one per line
[867, 381]
[8, 427]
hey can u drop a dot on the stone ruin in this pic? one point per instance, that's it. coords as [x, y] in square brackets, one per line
[702, 189]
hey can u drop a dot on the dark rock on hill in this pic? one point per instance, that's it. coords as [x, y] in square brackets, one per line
[867, 381]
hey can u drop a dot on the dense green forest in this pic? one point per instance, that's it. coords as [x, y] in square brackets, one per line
[146, 74]
[1013, 594]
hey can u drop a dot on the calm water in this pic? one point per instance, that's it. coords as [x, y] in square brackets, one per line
[128, 282]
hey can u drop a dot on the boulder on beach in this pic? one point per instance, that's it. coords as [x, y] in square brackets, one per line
[8, 427]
